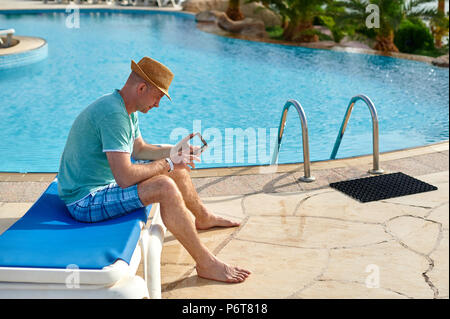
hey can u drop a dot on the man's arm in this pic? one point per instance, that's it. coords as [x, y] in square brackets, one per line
[127, 174]
[144, 151]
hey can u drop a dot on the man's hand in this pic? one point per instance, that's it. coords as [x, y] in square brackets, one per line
[183, 154]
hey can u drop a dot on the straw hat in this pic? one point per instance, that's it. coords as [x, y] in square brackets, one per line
[154, 72]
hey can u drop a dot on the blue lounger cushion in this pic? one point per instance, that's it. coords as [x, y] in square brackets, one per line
[48, 237]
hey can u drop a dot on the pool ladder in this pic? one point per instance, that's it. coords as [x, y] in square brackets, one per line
[375, 135]
[306, 163]
[305, 142]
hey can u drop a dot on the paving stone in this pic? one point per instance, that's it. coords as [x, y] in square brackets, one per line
[274, 183]
[277, 272]
[334, 204]
[323, 178]
[221, 186]
[435, 178]
[331, 289]
[21, 191]
[416, 233]
[225, 206]
[438, 160]
[350, 172]
[440, 215]
[171, 274]
[311, 232]
[10, 213]
[399, 269]
[428, 199]
[272, 204]
[173, 252]
[439, 274]
[409, 166]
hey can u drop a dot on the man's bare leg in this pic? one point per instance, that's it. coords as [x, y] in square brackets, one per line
[175, 215]
[204, 219]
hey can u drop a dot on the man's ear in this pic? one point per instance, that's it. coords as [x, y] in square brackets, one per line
[141, 88]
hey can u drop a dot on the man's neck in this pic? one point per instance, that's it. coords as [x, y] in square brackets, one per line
[129, 105]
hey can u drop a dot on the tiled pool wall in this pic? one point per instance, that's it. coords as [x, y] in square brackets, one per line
[13, 60]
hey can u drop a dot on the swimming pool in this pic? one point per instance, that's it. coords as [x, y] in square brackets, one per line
[220, 85]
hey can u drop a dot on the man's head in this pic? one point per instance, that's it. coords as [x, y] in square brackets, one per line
[144, 95]
[148, 82]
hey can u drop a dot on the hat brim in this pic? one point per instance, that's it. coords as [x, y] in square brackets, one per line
[136, 68]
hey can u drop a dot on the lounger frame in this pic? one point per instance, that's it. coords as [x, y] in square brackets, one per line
[118, 280]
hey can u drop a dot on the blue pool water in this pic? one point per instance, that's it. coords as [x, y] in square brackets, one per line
[220, 84]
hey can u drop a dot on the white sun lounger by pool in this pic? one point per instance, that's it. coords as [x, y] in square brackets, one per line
[47, 254]
[8, 33]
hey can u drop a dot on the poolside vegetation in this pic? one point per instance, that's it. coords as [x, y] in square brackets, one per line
[409, 26]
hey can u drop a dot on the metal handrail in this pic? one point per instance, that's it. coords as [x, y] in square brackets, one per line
[373, 112]
[306, 163]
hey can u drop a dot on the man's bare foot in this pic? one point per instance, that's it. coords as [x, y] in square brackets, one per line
[219, 271]
[209, 220]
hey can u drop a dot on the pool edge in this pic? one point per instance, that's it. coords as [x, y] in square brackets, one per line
[360, 160]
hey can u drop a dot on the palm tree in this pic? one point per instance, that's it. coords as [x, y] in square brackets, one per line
[436, 15]
[391, 13]
[439, 24]
[234, 10]
[297, 17]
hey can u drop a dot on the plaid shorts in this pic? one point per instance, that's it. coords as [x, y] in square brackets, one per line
[106, 203]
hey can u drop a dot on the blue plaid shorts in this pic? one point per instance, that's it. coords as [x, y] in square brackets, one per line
[106, 203]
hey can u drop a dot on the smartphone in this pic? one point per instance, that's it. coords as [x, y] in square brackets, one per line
[204, 144]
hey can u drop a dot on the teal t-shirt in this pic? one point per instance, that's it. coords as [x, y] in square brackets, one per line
[104, 126]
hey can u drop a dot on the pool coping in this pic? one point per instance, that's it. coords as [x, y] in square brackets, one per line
[212, 28]
[26, 44]
[360, 160]
[49, 7]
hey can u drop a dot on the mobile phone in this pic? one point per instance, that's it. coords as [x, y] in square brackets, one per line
[204, 144]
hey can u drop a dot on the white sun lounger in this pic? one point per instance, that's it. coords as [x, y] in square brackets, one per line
[9, 33]
[115, 280]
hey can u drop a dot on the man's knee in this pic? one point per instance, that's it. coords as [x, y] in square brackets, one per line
[168, 186]
[163, 185]
[179, 174]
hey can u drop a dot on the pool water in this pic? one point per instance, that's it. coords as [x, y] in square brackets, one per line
[220, 85]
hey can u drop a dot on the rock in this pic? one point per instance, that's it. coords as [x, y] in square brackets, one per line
[354, 44]
[259, 12]
[250, 10]
[360, 42]
[247, 26]
[318, 44]
[203, 5]
[324, 30]
[207, 16]
[441, 61]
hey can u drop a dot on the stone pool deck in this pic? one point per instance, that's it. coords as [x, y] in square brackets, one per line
[305, 240]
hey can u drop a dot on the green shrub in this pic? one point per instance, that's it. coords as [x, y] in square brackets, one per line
[337, 31]
[413, 36]
[275, 32]
[370, 33]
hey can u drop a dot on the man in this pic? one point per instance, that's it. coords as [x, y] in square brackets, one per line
[98, 181]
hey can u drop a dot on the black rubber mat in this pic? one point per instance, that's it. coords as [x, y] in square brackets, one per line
[384, 186]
